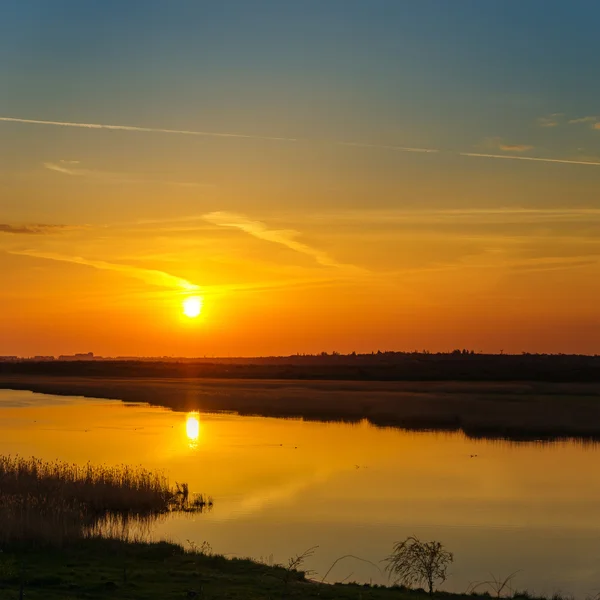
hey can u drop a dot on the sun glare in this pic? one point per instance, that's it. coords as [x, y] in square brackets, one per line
[192, 307]
[192, 427]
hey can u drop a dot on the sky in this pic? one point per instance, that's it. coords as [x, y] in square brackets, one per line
[324, 175]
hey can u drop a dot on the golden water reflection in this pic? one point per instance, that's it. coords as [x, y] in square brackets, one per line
[192, 428]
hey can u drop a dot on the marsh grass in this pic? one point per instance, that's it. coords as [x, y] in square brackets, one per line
[58, 501]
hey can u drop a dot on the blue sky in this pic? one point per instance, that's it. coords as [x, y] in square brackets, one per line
[425, 72]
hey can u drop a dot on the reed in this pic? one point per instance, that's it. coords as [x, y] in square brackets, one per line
[57, 501]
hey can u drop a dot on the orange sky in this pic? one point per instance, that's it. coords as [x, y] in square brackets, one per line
[317, 197]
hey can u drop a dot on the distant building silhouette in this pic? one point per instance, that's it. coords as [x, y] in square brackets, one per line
[79, 356]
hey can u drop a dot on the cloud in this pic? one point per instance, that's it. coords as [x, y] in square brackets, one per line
[557, 118]
[583, 120]
[552, 263]
[143, 129]
[113, 177]
[531, 158]
[417, 216]
[35, 229]
[551, 121]
[515, 147]
[59, 168]
[285, 237]
[166, 280]
[479, 216]
[267, 285]
[497, 143]
[153, 277]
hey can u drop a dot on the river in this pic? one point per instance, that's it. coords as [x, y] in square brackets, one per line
[283, 486]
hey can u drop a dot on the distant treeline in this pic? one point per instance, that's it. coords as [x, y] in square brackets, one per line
[460, 365]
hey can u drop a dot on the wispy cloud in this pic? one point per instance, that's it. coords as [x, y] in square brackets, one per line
[61, 168]
[582, 120]
[413, 216]
[151, 276]
[66, 168]
[172, 282]
[557, 119]
[497, 143]
[498, 215]
[553, 263]
[551, 121]
[285, 237]
[515, 147]
[35, 229]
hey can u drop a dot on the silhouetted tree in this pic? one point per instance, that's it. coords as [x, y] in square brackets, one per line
[415, 562]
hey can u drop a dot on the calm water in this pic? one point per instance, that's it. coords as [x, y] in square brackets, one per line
[282, 486]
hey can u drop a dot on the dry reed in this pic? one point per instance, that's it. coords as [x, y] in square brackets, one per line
[56, 501]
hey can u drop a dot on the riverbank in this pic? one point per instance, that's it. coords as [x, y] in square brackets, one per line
[104, 568]
[509, 410]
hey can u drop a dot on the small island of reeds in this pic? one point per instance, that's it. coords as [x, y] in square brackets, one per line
[53, 502]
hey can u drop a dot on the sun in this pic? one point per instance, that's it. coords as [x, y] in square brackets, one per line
[192, 306]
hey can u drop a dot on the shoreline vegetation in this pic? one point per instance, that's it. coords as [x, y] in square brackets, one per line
[54, 503]
[104, 568]
[512, 410]
[458, 365]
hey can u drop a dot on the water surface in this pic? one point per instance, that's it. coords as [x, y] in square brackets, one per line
[282, 486]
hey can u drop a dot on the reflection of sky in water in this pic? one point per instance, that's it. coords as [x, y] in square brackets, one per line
[281, 486]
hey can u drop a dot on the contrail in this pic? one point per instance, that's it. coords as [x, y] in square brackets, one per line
[384, 147]
[531, 158]
[200, 133]
[145, 129]
[289, 139]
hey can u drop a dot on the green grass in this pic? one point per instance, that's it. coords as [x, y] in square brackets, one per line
[103, 569]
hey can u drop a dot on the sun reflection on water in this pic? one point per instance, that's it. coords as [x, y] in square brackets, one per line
[192, 429]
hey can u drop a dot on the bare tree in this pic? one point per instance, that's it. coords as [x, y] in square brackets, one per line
[416, 562]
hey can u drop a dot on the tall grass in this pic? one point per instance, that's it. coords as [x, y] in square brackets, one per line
[57, 501]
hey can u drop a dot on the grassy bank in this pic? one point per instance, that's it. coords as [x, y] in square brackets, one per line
[518, 411]
[103, 569]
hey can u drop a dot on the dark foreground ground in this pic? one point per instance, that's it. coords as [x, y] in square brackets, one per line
[109, 569]
[511, 410]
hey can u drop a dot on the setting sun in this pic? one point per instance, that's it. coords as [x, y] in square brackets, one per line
[192, 307]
